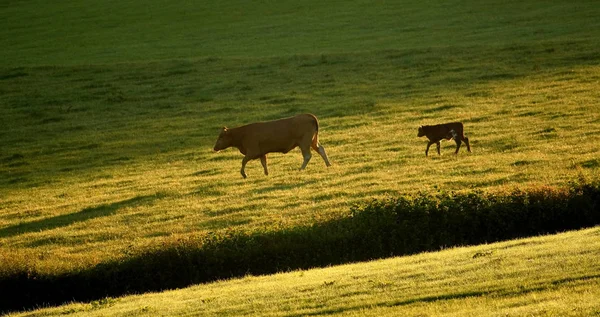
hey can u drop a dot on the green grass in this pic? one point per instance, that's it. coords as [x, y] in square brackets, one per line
[105, 160]
[555, 275]
[85, 32]
[109, 111]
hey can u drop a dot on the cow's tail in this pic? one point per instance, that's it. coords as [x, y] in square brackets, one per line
[315, 140]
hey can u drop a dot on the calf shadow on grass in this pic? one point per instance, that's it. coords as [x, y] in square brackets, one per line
[83, 215]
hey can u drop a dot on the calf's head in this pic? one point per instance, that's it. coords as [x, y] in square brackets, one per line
[224, 140]
[421, 132]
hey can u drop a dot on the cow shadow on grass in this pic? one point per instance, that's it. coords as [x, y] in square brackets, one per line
[80, 216]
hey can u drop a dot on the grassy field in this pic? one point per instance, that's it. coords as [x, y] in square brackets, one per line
[109, 111]
[544, 276]
[37, 32]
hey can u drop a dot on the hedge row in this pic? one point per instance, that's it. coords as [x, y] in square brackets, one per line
[380, 228]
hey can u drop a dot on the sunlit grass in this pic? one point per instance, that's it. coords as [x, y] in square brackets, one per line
[553, 275]
[109, 111]
[108, 177]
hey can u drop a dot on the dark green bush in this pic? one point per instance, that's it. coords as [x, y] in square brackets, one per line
[376, 229]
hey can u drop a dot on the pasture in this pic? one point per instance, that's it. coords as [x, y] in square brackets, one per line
[109, 112]
[543, 276]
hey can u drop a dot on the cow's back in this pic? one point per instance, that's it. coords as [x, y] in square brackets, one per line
[280, 135]
[286, 127]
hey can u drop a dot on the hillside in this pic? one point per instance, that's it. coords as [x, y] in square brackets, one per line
[555, 275]
[109, 111]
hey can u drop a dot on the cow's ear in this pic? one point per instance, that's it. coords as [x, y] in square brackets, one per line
[225, 129]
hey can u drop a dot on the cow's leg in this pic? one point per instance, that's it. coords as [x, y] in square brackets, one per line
[306, 154]
[457, 140]
[244, 162]
[467, 143]
[437, 145]
[263, 161]
[321, 150]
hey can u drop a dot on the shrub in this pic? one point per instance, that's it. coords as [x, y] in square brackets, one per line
[375, 229]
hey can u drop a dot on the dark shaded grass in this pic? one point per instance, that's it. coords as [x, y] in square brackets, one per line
[81, 216]
[378, 229]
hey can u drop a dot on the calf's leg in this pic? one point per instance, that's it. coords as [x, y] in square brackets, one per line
[437, 145]
[467, 143]
[457, 140]
[428, 145]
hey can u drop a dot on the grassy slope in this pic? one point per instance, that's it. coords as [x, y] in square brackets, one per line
[555, 275]
[38, 32]
[109, 111]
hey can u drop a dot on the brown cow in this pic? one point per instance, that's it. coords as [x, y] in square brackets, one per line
[448, 131]
[256, 140]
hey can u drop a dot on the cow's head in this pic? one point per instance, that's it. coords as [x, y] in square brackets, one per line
[224, 140]
[421, 132]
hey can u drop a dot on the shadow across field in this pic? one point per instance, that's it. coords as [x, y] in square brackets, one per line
[378, 229]
[81, 216]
